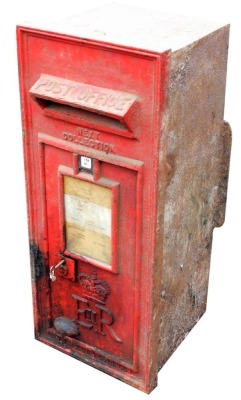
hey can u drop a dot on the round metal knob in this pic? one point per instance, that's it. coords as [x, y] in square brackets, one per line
[66, 327]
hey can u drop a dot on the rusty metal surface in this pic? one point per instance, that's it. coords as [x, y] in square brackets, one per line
[196, 149]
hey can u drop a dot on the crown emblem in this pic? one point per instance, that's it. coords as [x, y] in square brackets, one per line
[94, 288]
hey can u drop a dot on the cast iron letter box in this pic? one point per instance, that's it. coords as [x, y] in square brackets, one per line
[126, 157]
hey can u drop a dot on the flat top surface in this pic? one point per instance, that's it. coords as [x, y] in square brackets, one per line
[133, 27]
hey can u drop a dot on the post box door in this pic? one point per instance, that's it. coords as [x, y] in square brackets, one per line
[91, 214]
[92, 117]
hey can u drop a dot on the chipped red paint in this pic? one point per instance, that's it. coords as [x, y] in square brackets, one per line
[127, 159]
[113, 310]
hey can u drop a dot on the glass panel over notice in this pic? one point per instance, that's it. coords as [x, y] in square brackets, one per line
[88, 219]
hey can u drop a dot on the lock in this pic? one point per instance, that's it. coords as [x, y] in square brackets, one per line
[127, 158]
[64, 269]
[60, 265]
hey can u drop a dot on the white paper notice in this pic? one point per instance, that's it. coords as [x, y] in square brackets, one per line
[87, 215]
[88, 219]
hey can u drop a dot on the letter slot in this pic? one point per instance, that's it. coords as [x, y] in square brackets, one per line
[85, 104]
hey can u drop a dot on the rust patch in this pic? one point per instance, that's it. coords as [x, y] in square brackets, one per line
[223, 171]
[37, 261]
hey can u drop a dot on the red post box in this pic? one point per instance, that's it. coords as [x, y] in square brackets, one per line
[126, 157]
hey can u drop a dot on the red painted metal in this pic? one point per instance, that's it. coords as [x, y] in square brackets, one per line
[110, 304]
[82, 96]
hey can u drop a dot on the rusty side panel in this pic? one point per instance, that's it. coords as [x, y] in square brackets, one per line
[194, 163]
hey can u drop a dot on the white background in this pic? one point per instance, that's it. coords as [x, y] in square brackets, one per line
[207, 364]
